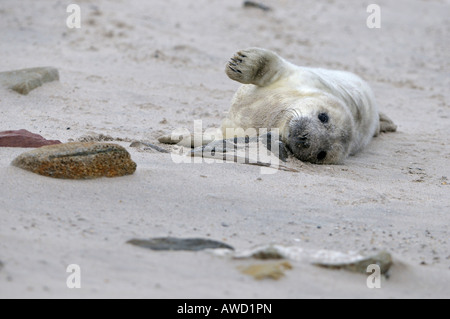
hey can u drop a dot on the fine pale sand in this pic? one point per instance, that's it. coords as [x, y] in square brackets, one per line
[139, 69]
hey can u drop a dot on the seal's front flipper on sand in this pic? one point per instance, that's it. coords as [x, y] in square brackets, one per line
[265, 150]
[244, 147]
[227, 149]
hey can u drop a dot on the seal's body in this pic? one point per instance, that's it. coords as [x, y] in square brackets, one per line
[322, 115]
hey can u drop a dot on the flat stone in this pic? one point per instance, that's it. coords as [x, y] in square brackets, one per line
[171, 243]
[383, 259]
[78, 161]
[23, 138]
[24, 80]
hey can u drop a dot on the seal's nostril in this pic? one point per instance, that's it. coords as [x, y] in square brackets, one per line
[303, 140]
[304, 144]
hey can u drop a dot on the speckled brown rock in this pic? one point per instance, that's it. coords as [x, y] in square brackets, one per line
[24, 80]
[78, 161]
[23, 138]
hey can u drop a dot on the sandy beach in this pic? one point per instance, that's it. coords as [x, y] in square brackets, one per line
[136, 70]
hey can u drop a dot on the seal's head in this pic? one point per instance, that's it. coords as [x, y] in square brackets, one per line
[321, 136]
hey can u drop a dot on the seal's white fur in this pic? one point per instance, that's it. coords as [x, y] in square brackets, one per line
[321, 115]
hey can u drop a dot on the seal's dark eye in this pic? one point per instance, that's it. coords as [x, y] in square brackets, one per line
[323, 117]
[321, 155]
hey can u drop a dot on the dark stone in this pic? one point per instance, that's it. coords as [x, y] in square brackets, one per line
[171, 243]
[252, 4]
[23, 138]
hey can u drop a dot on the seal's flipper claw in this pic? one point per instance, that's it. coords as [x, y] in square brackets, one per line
[278, 148]
[386, 124]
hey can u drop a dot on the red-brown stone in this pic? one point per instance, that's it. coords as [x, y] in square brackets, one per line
[23, 138]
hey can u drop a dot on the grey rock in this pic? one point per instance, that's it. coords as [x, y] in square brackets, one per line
[25, 80]
[172, 243]
[382, 259]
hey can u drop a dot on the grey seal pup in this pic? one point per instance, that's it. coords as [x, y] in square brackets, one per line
[322, 115]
